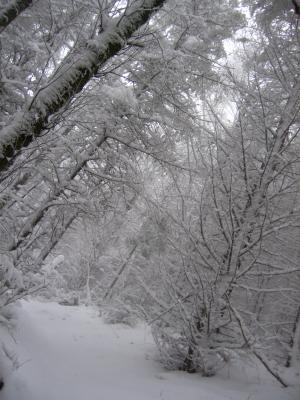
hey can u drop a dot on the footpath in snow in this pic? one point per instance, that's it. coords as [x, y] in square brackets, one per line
[68, 353]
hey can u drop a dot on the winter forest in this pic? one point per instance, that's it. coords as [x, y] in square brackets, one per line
[150, 181]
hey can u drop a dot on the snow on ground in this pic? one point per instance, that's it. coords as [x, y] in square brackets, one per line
[68, 353]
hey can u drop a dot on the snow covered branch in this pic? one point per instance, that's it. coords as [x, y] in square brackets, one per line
[70, 78]
[250, 342]
[11, 11]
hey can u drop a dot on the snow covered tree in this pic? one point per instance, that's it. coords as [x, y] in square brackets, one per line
[90, 94]
[231, 238]
[10, 11]
[80, 64]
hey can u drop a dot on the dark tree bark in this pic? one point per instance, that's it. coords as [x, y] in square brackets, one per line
[11, 11]
[297, 7]
[70, 78]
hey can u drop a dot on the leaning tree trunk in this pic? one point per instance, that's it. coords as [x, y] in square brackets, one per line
[70, 78]
[11, 11]
[37, 216]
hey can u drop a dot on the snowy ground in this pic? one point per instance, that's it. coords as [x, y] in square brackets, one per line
[68, 353]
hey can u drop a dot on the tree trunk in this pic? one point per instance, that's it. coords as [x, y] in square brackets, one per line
[294, 356]
[11, 11]
[70, 78]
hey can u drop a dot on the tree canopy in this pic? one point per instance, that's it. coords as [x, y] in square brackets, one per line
[149, 163]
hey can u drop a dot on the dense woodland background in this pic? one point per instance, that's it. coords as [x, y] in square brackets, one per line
[150, 164]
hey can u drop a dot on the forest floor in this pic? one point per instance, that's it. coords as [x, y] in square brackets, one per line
[68, 353]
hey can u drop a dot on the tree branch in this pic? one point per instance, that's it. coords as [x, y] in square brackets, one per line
[70, 78]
